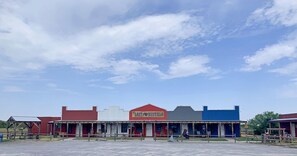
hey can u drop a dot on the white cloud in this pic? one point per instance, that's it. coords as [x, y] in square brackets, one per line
[270, 54]
[27, 45]
[278, 12]
[286, 70]
[188, 66]
[125, 70]
[12, 89]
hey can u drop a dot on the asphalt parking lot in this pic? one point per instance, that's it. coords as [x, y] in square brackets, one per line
[79, 147]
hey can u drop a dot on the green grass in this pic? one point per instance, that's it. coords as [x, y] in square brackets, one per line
[249, 139]
[2, 130]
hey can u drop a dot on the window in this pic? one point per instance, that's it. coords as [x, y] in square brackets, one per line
[124, 127]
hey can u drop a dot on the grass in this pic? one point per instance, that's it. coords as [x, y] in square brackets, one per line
[249, 139]
[2, 130]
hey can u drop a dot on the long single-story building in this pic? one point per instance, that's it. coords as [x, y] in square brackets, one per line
[144, 121]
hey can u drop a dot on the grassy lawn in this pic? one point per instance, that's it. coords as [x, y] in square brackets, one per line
[249, 139]
[2, 130]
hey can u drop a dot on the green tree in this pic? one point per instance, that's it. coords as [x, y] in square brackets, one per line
[261, 122]
[2, 124]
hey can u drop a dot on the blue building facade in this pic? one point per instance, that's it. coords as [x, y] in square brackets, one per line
[222, 116]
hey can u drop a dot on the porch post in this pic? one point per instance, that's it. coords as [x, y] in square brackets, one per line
[232, 129]
[61, 128]
[193, 128]
[67, 129]
[155, 134]
[92, 128]
[54, 129]
[142, 134]
[79, 130]
[167, 133]
[220, 130]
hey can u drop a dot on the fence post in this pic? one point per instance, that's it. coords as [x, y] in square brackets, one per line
[88, 136]
[234, 138]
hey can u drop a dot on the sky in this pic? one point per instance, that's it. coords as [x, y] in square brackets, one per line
[169, 53]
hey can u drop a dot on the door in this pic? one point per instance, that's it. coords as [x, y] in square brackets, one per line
[149, 130]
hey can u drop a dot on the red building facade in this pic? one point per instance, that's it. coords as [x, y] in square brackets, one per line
[146, 114]
[79, 114]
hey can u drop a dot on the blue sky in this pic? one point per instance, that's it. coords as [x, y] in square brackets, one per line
[217, 53]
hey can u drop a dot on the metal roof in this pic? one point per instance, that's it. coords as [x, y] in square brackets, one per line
[147, 121]
[24, 119]
[183, 113]
[284, 120]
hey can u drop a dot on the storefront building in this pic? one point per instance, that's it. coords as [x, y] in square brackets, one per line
[145, 121]
[287, 121]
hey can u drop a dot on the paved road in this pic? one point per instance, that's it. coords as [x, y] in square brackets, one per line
[74, 147]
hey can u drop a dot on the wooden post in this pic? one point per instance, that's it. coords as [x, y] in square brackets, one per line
[14, 130]
[206, 128]
[220, 129]
[117, 129]
[232, 129]
[79, 130]
[110, 129]
[54, 129]
[167, 133]
[7, 131]
[92, 129]
[155, 134]
[279, 134]
[105, 129]
[39, 130]
[61, 129]
[142, 134]
[181, 128]
[193, 128]
[67, 129]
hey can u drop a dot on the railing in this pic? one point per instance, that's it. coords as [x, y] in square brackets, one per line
[278, 139]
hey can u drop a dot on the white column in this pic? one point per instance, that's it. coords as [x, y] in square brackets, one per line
[292, 127]
[222, 130]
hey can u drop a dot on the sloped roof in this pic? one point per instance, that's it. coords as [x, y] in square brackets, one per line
[284, 120]
[23, 119]
[148, 105]
[184, 113]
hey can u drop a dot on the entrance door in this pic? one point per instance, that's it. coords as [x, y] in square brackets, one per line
[149, 130]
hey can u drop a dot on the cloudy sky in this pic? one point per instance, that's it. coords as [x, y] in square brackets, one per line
[217, 53]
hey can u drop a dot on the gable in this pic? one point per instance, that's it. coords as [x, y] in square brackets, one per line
[148, 112]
